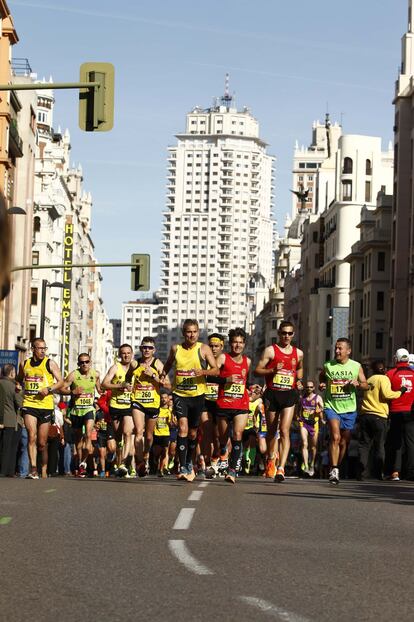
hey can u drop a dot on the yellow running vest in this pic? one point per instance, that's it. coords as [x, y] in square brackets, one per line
[185, 384]
[143, 391]
[119, 397]
[162, 426]
[37, 377]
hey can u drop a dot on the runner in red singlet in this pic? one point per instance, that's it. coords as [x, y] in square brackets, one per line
[233, 398]
[282, 367]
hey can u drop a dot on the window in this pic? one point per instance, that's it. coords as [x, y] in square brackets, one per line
[368, 167]
[36, 224]
[32, 332]
[33, 296]
[315, 236]
[380, 301]
[35, 258]
[347, 190]
[348, 166]
[368, 191]
[381, 261]
[379, 340]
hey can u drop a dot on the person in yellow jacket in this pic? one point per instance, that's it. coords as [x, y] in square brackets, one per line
[192, 362]
[40, 377]
[374, 420]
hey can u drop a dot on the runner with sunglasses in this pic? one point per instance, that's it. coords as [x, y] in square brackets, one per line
[145, 401]
[81, 385]
[40, 377]
[281, 365]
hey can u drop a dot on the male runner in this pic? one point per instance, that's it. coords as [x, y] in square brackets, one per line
[310, 413]
[119, 381]
[40, 377]
[339, 379]
[145, 401]
[210, 446]
[81, 384]
[233, 399]
[281, 365]
[190, 359]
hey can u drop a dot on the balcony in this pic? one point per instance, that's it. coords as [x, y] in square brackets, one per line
[15, 142]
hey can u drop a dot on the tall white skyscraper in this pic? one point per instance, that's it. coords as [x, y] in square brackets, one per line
[217, 231]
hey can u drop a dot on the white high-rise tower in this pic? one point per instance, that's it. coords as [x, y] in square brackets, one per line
[217, 231]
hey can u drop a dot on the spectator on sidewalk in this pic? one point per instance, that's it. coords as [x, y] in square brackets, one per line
[10, 420]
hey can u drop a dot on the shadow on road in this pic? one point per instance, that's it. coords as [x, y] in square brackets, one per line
[358, 491]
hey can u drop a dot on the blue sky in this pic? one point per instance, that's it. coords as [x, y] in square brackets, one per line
[288, 61]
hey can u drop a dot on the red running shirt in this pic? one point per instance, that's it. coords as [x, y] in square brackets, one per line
[285, 366]
[234, 394]
[399, 376]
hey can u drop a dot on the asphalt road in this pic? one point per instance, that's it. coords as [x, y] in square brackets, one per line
[164, 550]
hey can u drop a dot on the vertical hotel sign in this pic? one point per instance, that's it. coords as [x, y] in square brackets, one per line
[67, 293]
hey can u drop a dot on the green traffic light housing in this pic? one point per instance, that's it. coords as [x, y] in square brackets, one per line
[96, 104]
[140, 272]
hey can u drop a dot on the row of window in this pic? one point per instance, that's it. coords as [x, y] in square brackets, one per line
[348, 166]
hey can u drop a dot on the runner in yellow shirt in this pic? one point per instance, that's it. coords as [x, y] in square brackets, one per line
[40, 377]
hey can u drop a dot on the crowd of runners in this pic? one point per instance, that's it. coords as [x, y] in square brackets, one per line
[218, 416]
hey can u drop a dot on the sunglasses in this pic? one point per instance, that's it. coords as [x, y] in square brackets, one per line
[286, 332]
[83, 362]
[147, 347]
[310, 388]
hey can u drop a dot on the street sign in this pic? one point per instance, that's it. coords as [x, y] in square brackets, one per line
[9, 357]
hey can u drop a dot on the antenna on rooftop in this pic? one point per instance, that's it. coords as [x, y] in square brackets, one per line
[227, 98]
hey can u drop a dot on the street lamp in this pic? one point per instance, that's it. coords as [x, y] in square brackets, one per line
[45, 285]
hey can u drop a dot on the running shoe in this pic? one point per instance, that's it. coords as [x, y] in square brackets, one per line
[122, 470]
[311, 472]
[280, 474]
[132, 472]
[270, 470]
[223, 465]
[334, 476]
[142, 469]
[102, 474]
[182, 473]
[394, 477]
[231, 476]
[171, 464]
[160, 473]
[211, 472]
[32, 475]
[248, 466]
[82, 471]
[190, 477]
[202, 474]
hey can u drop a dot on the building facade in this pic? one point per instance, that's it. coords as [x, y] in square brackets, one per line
[369, 283]
[401, 332]
[217, 231]
[139, 319]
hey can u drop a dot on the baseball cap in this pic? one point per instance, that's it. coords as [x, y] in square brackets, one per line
[402, 355]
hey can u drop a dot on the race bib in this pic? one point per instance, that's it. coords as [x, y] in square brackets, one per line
[124, 398]
[33, 384]
[84, 400]
[263, 424]
[339, 390]
[284, 379]
[308, 414]
[234, 389]
[211, 391]
[185, 380]
[144, 394]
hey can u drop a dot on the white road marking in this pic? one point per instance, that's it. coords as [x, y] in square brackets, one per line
[181, 552]
[195, 495]
[184, 518]
[272, 610]
[203, 484]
